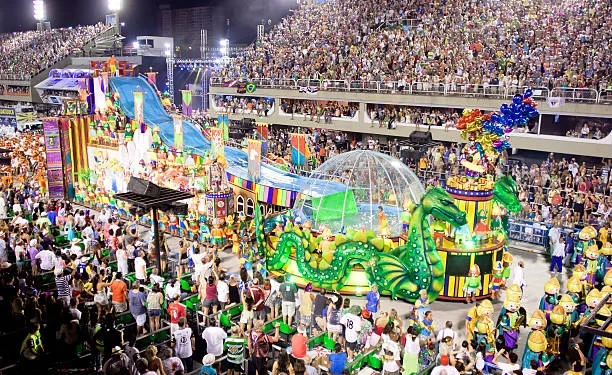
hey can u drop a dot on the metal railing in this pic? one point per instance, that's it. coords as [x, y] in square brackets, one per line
[570, 94]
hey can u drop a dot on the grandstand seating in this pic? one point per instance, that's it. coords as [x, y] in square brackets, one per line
[541, 43]
[25, 54]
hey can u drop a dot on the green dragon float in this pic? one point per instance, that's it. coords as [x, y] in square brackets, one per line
[401, 272]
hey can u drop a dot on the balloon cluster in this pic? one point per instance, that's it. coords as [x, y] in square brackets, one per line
[490, 131]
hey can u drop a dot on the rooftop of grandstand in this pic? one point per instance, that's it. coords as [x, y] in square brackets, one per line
[470, 48]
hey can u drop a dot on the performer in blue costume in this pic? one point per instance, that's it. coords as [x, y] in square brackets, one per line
[551, 296]
[508, 324]
[536, 340]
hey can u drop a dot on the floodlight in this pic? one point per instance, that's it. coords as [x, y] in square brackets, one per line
[114, 5]
[39, 10]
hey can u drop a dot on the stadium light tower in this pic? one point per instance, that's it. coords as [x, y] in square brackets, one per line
[224, 49]
[115, 6]
[40, 15]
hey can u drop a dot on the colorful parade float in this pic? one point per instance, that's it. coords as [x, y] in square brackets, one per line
[361, 218]
[383, 227]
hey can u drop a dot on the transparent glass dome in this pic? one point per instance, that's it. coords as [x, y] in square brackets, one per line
[349, 188]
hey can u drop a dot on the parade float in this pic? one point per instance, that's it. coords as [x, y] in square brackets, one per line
[385, 228]
[123, 130]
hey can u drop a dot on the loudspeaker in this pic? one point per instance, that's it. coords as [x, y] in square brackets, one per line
[420, 137]
[143, 187]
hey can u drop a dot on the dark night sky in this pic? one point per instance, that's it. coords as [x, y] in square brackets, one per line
[140, 15]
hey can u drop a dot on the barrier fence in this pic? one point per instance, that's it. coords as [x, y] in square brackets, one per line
[570, 94]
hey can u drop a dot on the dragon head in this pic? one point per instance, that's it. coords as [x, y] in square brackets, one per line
[505, 192]
[442, 206]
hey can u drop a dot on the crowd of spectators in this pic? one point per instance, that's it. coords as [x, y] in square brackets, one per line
[244, 105]
[392, 115]
[315, 110]
[541, 43]
[557, 190]
[25, 54]
[593, 129]
[12, 90]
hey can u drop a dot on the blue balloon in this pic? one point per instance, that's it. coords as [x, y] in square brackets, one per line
[528, 93]
[523, 121]
[533, 113]
[517, 99]
[495, 117]
[504, 108]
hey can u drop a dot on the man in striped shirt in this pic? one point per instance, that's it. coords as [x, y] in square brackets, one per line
[63, 283]
[234, 346]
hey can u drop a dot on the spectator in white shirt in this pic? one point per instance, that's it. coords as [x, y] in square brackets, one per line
[447, 332]
[47, 260]
[173, 289]
[509, 367]
[222, 291]
[214, 337]
[155, 278]
[558, 254]
[75, 249]
[140, 267]
[553, 236]
[519, 276]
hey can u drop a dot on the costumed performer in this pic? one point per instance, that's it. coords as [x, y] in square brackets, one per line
[551, 296]
[473, 284]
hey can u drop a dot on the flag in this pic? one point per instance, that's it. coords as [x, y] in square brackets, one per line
[187, 107]
[222, 122]
[299, 149]
[241, 88]
[216, 140]
[138, 107]
[310, 90]
[254, 154]
[262, 130]
[152, 78]
[251, 87]
[178, 132]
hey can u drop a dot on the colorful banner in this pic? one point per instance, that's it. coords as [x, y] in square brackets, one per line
[79, 127]
[223, 123]
[105, 87]
[310, 90]
[262, 130]
[299, 149]
[138, 107]
[216, 142]
[55, 173]
[8, 117]
[187, 102]
[254, 153]
[152, 78]
[66, 151]
[178, 132]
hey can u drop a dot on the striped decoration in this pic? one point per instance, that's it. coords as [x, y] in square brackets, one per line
[453, 284]
[265, 194]
[279, 197]
[79, 134]
[471, 209]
